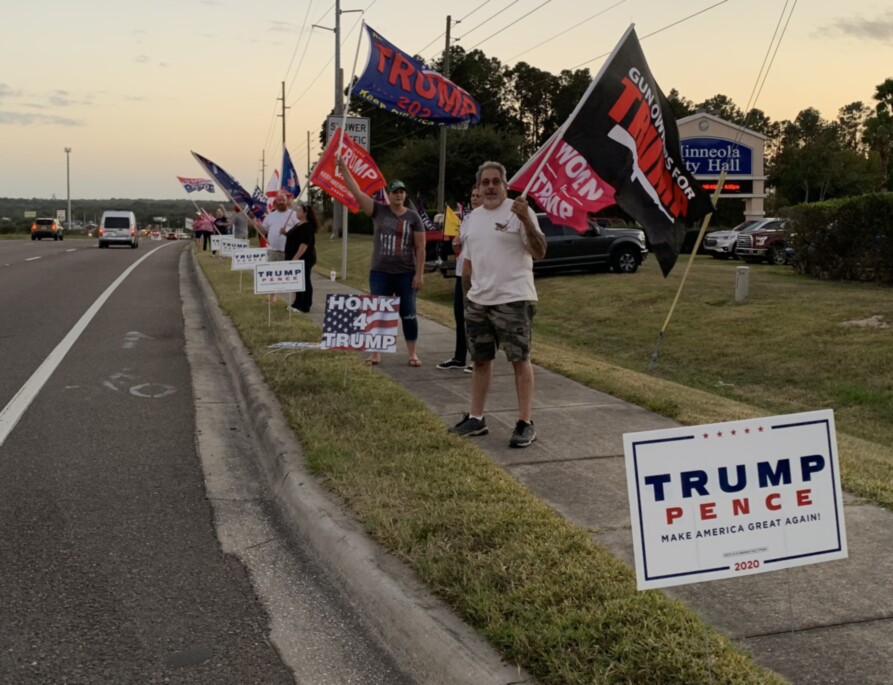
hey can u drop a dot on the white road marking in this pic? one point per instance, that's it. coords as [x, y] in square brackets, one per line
[17, 406]
[31, 259]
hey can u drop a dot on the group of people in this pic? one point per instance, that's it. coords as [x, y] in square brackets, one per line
[203, 228]
[290, 232]
[494, 297]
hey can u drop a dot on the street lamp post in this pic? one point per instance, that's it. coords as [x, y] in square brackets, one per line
[68, 185]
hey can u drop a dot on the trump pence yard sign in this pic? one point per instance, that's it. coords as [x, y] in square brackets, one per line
[735, 498]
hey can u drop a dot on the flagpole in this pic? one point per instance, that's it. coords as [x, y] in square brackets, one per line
[344, 108]
[691, 260]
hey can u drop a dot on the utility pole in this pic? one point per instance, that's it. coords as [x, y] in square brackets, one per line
[441, 167]
[263, 170]
[283, 114]
[308, 155]
[339, 211]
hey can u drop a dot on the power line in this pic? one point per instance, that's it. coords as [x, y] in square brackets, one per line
[469, 31]
[751, 103]
[570, 28]
[660, 30]
[457, 21]
[510, 25]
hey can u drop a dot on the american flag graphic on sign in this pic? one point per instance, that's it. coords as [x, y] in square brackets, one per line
[361, 322]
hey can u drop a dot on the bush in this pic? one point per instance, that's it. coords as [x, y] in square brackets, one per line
[848, 239]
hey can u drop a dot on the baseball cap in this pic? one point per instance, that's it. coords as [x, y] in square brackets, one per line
[396, 184]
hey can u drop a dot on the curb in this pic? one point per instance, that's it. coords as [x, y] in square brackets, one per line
[426, 639]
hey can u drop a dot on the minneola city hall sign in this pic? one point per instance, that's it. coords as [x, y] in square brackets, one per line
[711, 145]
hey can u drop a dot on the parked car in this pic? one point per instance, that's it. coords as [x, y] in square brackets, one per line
[118, 228]
[171, 235]
[723, 244]
[46, 228]
[621, 249]
[767, 243]
[598, 247]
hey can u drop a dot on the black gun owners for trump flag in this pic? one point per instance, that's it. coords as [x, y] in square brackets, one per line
[624, 130]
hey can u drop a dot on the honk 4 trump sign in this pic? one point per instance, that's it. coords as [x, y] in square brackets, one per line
[736, 498]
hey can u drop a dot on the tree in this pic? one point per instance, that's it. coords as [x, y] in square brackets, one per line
[851, 125]
[532, 93]
[415, 161]
[486, 79]
[813, 165]
[680, 106]
[722, 106]
[878, 132]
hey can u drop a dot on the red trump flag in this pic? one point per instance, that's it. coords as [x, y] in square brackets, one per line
[360, 163]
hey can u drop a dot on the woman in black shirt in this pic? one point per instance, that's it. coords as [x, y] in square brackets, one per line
[300, 243]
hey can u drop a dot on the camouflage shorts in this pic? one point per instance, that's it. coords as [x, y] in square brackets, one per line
[509, 326]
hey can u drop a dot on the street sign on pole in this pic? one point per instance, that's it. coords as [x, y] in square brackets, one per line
[358, 128]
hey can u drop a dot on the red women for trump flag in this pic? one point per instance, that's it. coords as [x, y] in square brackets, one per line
[620, 145]
[360, 164]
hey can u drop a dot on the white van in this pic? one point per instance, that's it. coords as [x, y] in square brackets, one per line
[118, 228]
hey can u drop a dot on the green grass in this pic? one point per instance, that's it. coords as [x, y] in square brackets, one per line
[787, 349]
[538, 588]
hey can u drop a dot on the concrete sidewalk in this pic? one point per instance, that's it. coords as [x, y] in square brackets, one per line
[825, 623]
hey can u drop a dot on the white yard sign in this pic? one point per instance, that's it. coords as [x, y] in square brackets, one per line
[245, 259]
[736, 498]
[279, 277]
[228, 245]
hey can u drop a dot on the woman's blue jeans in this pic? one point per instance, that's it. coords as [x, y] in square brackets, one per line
[398, 285]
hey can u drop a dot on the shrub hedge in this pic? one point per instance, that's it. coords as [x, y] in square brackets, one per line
[848, 239]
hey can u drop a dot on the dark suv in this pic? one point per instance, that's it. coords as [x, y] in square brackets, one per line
[46, 228]
[623, 249]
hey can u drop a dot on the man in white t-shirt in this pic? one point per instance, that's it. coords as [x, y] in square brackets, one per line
[502, 239]
[274, 227]
[276, 224]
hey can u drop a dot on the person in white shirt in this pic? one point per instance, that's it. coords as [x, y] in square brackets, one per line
[275, 226]
[502, 240]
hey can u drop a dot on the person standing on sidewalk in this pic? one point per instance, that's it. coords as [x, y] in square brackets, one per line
[502, 239]
[300, 243]
[398, 254]
[274, 228]
[457, 361]
[240, 223]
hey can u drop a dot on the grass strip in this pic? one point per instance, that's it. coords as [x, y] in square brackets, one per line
[538, 588]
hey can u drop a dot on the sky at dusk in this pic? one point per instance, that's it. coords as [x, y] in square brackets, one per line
[131, 88]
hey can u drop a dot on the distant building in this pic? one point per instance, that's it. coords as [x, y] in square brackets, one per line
[711, 145]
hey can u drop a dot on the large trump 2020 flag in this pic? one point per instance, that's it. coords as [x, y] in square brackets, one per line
[620, 145]
[395, 81]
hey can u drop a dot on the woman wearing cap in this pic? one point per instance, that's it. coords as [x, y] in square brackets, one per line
[398, 254]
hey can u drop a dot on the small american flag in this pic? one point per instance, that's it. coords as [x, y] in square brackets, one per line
[360, 322]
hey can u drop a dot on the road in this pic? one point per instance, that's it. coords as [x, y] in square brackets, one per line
[138, 543]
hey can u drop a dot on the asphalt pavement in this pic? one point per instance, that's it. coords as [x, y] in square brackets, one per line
[826, 623]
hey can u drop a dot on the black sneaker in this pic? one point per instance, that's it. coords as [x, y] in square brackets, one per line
[451, 364]
[523, 435]
[469, 426]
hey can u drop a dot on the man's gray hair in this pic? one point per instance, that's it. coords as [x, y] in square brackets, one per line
[491, 165]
